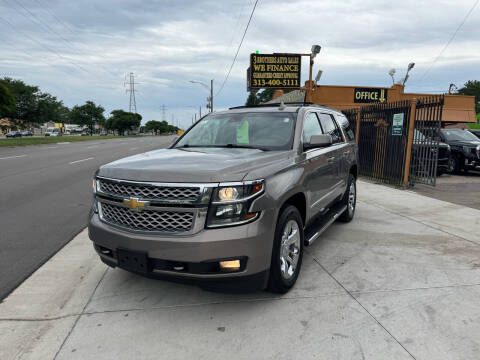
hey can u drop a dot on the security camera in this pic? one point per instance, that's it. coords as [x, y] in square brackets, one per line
[319, 74]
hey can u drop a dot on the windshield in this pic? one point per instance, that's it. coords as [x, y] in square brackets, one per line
[265, 130]
[459, 135]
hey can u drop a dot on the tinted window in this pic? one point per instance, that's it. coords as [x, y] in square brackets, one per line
[311, 127]
[346, 126]
[329, 127]
[270, 131]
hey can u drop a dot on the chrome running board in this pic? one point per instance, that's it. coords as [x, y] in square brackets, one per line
[322, 224]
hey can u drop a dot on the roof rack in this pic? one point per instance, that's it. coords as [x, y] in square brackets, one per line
[296, 103]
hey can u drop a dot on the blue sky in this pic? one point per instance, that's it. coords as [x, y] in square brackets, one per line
[82, 50]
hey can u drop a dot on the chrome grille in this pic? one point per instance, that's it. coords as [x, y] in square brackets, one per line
[146, 191]
[147, 220]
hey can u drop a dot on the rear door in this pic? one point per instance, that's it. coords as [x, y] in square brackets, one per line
[338, 151]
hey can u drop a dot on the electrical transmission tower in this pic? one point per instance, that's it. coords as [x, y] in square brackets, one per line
[131, 89]
[164, 118]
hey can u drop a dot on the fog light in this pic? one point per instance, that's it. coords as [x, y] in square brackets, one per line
[230, 265]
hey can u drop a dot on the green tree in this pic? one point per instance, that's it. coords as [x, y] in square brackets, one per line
[122, 121]
[48, 109]
[7, 102]
[26, 99]
[88, 114]
[252, 99]
[472, 87]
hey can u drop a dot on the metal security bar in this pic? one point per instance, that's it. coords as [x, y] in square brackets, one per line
[381, 149]
[425, 143]
[398, 141]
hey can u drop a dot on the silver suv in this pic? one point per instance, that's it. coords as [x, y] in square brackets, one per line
[232, 202]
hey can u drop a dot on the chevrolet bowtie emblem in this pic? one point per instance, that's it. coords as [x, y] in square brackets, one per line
[135, 203]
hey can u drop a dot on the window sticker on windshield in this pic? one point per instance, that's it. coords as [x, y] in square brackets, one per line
[286, 120]
[242, 133]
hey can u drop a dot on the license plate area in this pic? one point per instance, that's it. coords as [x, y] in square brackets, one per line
[133, 260]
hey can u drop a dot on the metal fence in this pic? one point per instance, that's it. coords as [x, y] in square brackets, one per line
[390, 149]
[425, 149]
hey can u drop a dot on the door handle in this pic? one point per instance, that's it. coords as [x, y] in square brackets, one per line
[331, 159]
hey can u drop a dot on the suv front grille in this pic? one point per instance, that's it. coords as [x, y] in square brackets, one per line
[147, 220]
[146, 191]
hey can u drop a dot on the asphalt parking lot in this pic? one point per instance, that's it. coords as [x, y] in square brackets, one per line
[401, 281]
[462, 189]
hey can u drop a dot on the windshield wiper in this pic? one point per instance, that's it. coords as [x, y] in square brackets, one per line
[239, 146]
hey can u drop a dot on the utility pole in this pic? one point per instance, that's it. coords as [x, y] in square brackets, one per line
[131, 89]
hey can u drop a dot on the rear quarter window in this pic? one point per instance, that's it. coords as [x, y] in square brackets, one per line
[346, 127]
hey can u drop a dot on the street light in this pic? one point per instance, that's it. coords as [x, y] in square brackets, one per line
[315, 50]
[209, 88]
[392, 73]
[410, 67]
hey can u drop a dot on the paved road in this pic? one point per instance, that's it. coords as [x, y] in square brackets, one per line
[45, 196]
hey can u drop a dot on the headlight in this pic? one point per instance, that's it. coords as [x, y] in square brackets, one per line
[231, 203]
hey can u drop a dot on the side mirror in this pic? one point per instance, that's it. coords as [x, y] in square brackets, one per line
[318, 141]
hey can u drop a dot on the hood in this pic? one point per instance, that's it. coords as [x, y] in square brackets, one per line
[465, 143]
[197, 165]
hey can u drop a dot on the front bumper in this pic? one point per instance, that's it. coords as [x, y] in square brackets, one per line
[192, 253]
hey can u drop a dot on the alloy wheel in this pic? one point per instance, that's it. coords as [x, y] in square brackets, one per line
[290, 249]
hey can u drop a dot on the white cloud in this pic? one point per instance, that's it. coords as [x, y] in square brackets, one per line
[166, 43]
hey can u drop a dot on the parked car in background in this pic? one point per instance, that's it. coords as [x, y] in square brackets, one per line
[26, 133]
[465, 149]
[233, 202]
[103, 133]
[422, 144]
[52, 131]
[475, 132]
[13, 134]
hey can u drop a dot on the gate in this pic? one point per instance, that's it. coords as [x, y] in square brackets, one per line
[425, 149]
[398, 141]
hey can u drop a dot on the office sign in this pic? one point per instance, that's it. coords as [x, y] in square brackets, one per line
[281, 71]
[397, 124]
[369, 95]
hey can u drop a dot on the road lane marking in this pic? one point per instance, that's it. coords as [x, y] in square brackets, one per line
[77, 161]
[134, 148]
[63, 143]
[52, 147]
[92, 146]
[12, 157]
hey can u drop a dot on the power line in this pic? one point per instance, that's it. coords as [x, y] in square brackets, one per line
[233, 35]
[48, 48]
[41, 23]
[450, 40]
[52, 14]
[238, 49]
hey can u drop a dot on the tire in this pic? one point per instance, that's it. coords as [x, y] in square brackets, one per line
[349, 199]
[283, 273]
[453, 165]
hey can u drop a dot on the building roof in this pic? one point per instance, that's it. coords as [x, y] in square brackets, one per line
[291, 97]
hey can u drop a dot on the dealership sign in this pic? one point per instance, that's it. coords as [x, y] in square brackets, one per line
[281, 71]
[369, 95]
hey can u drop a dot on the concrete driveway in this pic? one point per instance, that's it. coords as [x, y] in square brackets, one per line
[401, 281]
